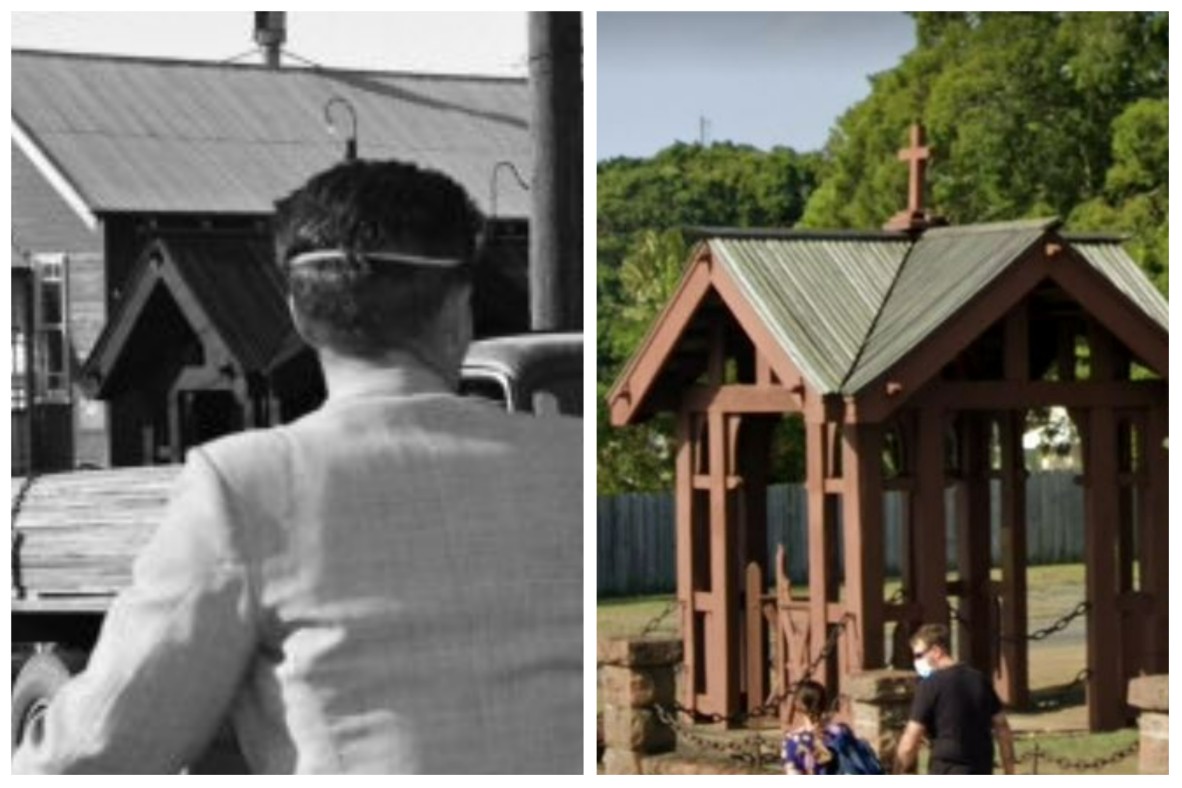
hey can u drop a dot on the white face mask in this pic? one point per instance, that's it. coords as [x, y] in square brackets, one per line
[923, 668]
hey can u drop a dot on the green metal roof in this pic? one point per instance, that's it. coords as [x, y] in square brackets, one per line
[846, 308]
[1109, 258]
[817, 296]
[946, 268]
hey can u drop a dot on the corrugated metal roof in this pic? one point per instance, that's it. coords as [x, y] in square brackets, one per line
[817, 296]
[848, 307]
[1110, 259]
[175, 136]
[41, 219]
[945, 269]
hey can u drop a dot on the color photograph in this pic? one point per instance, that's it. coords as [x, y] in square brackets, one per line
[883, 393]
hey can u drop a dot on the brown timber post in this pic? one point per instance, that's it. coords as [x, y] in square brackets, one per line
[816, 450]
[1106, 686]
[753, 460]
[973, 543]
[862, 515]
[1013, 679]
[685, 553]
[1155, 536]
[928, 524]
[722, 627]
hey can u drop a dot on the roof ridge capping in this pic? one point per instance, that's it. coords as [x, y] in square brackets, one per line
[790, 234]
[1046, 224]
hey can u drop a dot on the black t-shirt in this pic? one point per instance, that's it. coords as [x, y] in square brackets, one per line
[957, 705]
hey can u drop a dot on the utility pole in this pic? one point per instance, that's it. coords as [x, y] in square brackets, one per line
[556, 221]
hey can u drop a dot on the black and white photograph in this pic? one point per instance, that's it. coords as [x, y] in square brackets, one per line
[297, 391]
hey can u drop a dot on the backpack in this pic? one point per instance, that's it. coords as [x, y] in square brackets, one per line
[855, 756]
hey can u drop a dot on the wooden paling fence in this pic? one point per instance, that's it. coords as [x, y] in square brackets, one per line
[636, 551]
[78, 533]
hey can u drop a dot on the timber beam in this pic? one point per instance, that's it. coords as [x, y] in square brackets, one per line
[1017, 395]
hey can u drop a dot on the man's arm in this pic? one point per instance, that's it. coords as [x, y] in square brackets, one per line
[907, 752]
[1005, 741]
[173, 650]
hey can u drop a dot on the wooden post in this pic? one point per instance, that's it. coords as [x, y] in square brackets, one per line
[973, 542]
[753, 459]
[819, 548]
[1105, 688]
[1127, 434]
[1155, 536]
[722, 631]
[685, 553]
[1013, 679]
[928, 526]
[863, 525]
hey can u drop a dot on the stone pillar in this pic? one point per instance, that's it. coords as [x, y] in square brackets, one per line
[1151, 694]
[636, 674]
[880, 704]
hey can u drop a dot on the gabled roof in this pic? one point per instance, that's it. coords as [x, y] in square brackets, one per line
[228, 283]
[135, 134]
[946, 267]
[846, 308]
[818, 296]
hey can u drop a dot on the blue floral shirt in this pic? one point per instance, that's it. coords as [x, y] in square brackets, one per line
[809, 752]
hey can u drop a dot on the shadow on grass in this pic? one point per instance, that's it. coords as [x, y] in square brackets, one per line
[1056, 697]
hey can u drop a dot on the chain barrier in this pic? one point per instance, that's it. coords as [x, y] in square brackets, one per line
[1038, 754]
[1039, 634]
[1062, 623]
[659, 619]
[750, 750]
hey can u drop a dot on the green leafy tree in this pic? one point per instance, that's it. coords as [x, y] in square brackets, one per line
[1021, 110]
[643, 207]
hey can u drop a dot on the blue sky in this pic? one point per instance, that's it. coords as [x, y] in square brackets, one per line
[764, 79]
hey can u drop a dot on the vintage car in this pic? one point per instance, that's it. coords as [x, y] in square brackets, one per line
[530, 373]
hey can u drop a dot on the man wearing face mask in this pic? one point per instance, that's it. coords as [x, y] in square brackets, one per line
[956, 708]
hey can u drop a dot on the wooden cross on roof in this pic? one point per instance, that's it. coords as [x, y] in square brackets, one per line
[918, 155]
[915, 217]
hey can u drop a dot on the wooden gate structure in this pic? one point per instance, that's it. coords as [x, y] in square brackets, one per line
[913, 356]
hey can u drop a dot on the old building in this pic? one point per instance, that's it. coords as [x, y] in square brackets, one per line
[142, 190]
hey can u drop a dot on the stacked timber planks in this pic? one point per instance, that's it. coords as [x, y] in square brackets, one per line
[77, 534]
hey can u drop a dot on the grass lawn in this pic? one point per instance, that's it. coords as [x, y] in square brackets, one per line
[1053, 591]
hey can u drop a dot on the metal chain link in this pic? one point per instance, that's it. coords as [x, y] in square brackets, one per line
[655, 623]
[1062, 623]
[1039, 634]
[1090, 764]
[750, 750]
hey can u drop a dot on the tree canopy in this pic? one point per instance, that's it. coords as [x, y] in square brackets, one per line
[1028, 115]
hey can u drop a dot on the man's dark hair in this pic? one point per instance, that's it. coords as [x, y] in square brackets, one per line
[933, 635]
[812, 699]
[363, 307]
